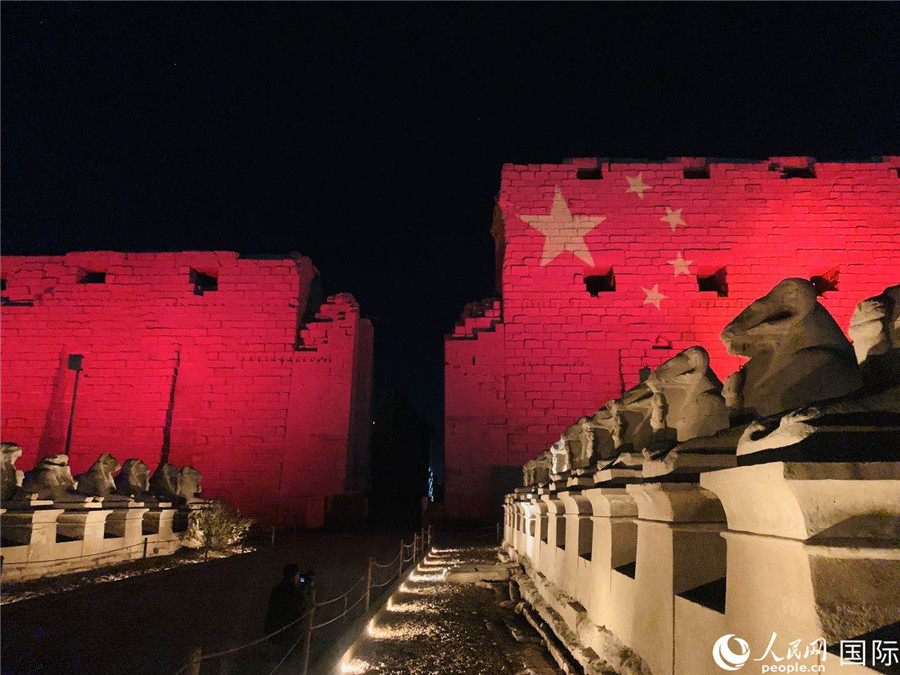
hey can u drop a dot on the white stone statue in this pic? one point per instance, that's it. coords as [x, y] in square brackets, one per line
[98, 480]
[179, 487]
[798, 354]
[572, 438]
[537, 471]
[189, 484]
[560, 461]
[51, 478]
[619, 424]
[11, 477]
[687, 396]
[164, 483]
[603, 423]
[134, 479]
[875, 331]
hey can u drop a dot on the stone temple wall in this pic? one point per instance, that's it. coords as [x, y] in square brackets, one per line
[605, 268]
[208, 359]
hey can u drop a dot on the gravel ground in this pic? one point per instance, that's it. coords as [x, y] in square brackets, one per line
[432, 626]
[147, 624]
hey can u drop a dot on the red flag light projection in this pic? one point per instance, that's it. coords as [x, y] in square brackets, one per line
[226, 363]
[605, 268]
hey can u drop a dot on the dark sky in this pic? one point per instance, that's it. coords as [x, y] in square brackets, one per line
[370, 137]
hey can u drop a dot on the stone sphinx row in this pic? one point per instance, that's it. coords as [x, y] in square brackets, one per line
[51, 478]
[803, 379]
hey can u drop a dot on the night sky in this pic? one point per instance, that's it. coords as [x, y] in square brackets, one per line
[370, 137]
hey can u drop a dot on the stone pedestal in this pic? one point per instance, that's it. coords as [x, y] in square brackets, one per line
[127, 522]
[552, 552]
[679, 547]
[613, 545]
[158, 522]
[571, 565]
[87, 526]
[37, 529]
[813, 552]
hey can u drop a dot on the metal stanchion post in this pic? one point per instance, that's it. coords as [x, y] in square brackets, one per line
[308, 637]
[145, 546]
[498, 533]
[194, 666]
[345, 601]
[400, 568]
[422, 543]
[368, 585]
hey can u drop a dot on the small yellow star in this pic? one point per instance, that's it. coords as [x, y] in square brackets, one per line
[681, 265]
[564, 232]
[673, 218]
[637, 185]
[654, 297]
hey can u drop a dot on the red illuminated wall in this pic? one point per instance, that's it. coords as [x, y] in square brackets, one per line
[272, 411]
[527, 368]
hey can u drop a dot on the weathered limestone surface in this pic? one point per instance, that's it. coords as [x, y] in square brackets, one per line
[798, 354]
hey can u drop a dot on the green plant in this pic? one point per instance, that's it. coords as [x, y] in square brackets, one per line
[217, 526]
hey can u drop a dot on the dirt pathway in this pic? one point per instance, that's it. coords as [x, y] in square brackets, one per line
[433, 626]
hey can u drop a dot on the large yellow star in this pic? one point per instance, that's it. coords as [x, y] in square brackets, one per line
[637, 185]
[564, 232]
[654, 297]
[681, 265]
[673, 218]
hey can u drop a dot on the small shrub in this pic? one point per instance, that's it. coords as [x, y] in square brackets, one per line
[218, 526]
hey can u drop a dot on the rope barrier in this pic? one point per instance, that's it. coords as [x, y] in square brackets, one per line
[225, 652]
[344, 594]
[77, 557]
[364, 597]
[289, 652]
[390, 564]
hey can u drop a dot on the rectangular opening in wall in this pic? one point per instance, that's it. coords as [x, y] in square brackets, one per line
[2, 284]
[628, 569]
[798, 172]
[203, 282]
[595, 173]
[827, 281]
[713, 282]
[696, 172]
[113, 528]
[86, 277]
[532, 523]
[544, 528]
[599, 280]
[585, 537]
[561, 532]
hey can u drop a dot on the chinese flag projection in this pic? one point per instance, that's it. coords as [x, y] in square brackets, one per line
[234, 365]
[605, 268]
